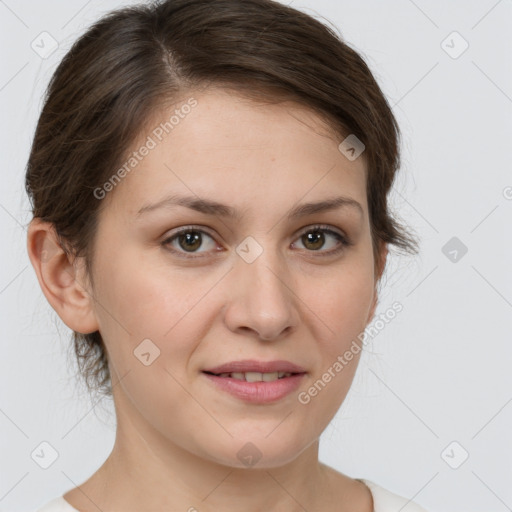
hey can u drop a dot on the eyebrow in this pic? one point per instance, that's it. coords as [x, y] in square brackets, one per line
[210, 207]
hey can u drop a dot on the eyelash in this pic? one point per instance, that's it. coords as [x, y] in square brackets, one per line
[344, 241]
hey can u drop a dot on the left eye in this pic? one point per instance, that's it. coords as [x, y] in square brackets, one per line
[189, 239]
[316, 238]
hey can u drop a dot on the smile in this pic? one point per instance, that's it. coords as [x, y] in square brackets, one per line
[255, 376]
[255, 387]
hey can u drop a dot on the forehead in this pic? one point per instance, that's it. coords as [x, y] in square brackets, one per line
[225, 146]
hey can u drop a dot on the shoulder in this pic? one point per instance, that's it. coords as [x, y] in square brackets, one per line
[58, 504]
[386, 501]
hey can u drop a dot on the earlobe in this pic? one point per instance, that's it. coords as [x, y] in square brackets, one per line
[60, 277]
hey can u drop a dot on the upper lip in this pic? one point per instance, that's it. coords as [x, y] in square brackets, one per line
[251, 365]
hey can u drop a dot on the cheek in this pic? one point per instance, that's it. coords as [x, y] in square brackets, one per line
[343, 303]
[341, 309]
[342, 306]
[144, 298]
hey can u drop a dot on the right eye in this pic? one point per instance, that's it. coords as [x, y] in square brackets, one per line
[185, 242]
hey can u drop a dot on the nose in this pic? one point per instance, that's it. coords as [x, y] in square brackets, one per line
[262, 299]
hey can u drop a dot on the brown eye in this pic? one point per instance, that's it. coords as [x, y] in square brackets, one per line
[189, 240]
[317, 237]
[313, 240]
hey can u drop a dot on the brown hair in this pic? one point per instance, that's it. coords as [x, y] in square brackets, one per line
[136, 59]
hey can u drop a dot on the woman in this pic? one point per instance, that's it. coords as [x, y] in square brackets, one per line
[209, 184]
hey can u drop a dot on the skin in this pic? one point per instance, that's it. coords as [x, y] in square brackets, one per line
[177, 434]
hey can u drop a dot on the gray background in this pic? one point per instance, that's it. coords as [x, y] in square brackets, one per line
[438, 373]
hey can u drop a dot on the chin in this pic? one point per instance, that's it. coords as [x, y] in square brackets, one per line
[256, 452]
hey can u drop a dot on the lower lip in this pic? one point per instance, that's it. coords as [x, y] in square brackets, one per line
[258, 392]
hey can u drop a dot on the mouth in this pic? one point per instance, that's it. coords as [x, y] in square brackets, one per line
[253, 368]
[256, 382]
[255, 376]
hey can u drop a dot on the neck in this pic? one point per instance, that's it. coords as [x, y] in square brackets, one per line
[147, 471]
[172, 478]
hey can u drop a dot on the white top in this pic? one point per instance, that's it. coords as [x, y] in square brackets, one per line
[383, 500]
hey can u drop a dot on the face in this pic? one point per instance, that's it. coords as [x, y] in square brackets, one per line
[263, 285]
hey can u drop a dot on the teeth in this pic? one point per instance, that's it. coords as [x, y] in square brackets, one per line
[256, 376]
[253, 376]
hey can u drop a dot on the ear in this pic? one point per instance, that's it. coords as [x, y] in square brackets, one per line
[380, 264]
[60, 277]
